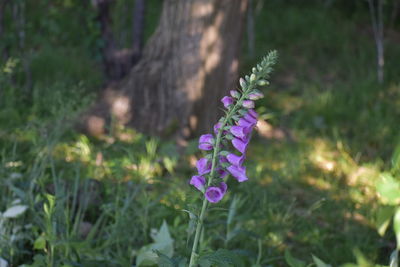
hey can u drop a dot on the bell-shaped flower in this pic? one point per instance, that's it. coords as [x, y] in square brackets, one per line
[248, 104]
[227, 101]
[214, 194]
[206, 141]
[235, 159]
[203, 166]
[239, 131]
[198, 181]
[238, 172]
[245, 123]
[240, 144]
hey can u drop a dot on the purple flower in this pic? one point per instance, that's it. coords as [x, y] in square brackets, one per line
[206, 138]
[256, 96]
[248, 104]
[227, 101]
[238, 172]
[205, 142]
[198, 182]
[239, 131]
[214, 194]
[234, 93]
[235, 159]
[203, 166]
[245, 123]
[240, 144]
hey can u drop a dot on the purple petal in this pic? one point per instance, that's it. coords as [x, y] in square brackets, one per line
[203, 166]
[198, 182]
[238, 131]
[206, 138]
[223, 186]
[245, 123]
[253, 113]
[214, 194]
[240, 144]
[250, 118]
[205, 146]
[235, 159]
[227, 101]
[238, 172]
[248, 104]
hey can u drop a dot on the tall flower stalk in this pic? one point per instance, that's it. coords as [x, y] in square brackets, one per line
[232, 130]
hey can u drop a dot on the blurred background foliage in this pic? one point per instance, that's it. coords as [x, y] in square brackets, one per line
[329, 132]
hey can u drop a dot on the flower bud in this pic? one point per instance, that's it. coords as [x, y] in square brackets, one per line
[242, 83]
[255, 95]
[235, 94]
[252, 77]
[262, 82]
[248, 104]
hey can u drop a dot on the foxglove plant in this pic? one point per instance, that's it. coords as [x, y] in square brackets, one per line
[227, 146]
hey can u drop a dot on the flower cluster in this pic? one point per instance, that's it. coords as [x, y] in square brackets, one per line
[227, 146]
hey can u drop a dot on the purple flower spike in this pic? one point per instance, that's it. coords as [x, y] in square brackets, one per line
[235, 159]
[238, 172]
[248, 104]
[215, 194]
[198, 182]
[256, 96]
[203, 166]
[240, 145]
[205, 142]
[239, 131]
[227, 101]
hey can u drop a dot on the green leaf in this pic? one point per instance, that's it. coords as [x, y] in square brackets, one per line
[383, 217]
[163, 243]
[40, 243]
[319, 262]
[293, 262]
[396, 226]
[389, 189]
[221, 258]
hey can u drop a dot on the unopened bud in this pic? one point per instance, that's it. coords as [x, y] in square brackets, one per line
[262, 82]
[242, 83]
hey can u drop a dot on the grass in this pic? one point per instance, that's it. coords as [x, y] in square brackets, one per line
[311, 192]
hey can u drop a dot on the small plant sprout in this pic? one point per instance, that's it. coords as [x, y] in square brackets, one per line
[227, 146]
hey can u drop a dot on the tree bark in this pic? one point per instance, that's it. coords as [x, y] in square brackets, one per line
[188, 64]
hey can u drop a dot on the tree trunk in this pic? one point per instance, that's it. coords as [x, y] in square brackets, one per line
[189, 63]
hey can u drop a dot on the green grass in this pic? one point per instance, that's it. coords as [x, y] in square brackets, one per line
[312, 193]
